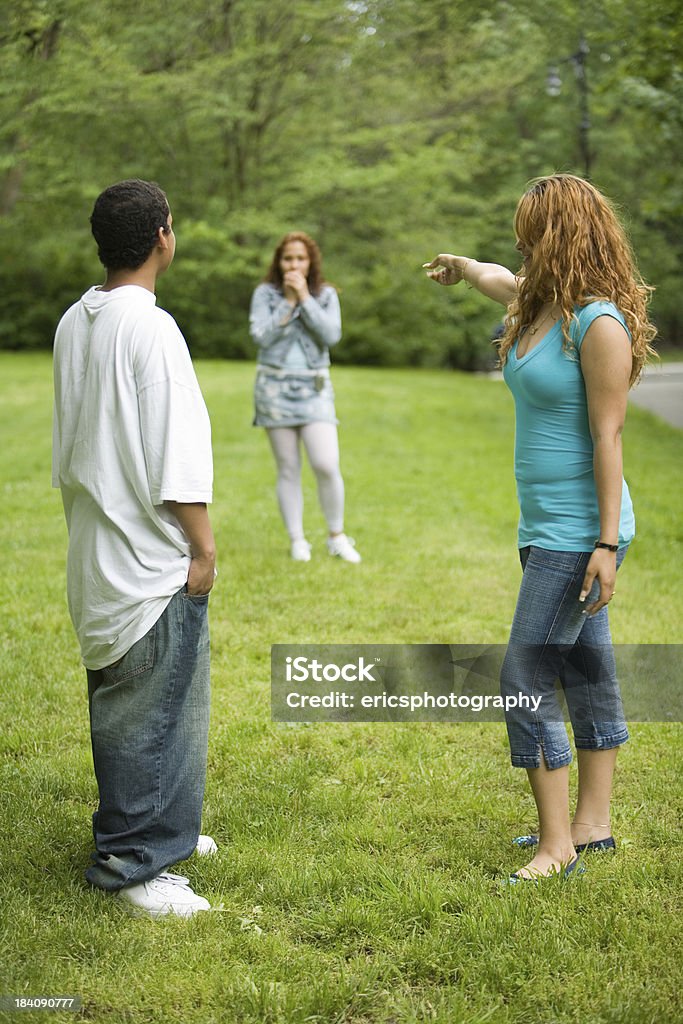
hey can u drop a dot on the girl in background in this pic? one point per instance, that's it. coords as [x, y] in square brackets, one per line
[295, 319]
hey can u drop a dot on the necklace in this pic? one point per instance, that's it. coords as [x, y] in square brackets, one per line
[535, 327]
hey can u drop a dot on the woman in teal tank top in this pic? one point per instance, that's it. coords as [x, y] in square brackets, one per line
[576, 338]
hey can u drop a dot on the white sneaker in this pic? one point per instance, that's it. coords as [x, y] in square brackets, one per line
[165, 894]
[342, 546]
[206, 846]
[301, 550]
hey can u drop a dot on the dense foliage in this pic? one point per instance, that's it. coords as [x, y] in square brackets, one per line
[389, 129]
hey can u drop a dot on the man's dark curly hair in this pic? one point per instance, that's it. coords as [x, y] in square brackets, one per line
[125, 223]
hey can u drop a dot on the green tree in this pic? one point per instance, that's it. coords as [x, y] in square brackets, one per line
[389, 129]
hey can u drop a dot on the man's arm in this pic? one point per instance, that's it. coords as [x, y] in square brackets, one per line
[194, 520]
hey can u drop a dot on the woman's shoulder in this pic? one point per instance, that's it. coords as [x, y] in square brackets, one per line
[593, 307]
[585, 314]
[326, 293]
[266, 296]
[266, 288]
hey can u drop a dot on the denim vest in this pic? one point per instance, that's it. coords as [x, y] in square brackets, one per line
[274, 325]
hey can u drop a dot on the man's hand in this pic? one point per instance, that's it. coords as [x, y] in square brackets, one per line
[202, 574]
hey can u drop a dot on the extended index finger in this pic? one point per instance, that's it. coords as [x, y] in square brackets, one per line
[444, 259]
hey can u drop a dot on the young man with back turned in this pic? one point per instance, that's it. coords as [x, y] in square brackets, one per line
[132, 456]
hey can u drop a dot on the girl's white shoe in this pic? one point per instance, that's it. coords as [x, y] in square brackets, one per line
[301, 550]
[343, 547]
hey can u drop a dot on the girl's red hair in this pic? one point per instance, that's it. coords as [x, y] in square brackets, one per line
[579, 252]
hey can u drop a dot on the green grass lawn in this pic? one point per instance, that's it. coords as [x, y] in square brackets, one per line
[359, 865]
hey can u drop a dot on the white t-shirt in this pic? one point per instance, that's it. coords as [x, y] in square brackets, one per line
[131, 431]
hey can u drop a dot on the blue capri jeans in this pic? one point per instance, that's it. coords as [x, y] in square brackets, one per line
[552, 642]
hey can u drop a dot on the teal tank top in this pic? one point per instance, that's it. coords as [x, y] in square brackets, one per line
[553, 445]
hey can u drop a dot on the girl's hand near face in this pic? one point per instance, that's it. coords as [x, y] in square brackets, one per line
[295, 286]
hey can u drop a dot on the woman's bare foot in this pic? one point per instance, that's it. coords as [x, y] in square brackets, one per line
[547, 863]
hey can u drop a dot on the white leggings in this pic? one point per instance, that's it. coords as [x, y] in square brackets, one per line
[322, 447]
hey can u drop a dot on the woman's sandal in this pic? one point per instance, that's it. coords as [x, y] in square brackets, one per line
[575, 867]
[597, 846]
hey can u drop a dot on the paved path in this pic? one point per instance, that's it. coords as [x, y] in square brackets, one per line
[661, 392]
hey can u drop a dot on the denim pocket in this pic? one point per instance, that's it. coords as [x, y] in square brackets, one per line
[566, 563]
[298, 389]
[139, 659]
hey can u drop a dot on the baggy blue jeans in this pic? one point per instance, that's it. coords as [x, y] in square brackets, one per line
[149, 721]
[550, 640]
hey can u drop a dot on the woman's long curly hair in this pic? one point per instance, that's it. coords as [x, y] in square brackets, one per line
[315, 275]
[577, 252]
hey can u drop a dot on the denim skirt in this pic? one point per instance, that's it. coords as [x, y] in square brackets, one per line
[291, 399]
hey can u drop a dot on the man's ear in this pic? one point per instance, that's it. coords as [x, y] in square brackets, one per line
[163, 237]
